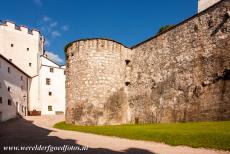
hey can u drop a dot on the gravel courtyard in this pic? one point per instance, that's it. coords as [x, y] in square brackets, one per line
[38, 130]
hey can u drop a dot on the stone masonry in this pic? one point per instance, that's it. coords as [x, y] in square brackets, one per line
[95, 82]
[182, 74]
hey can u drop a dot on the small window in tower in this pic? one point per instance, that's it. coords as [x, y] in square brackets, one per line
[9, 89]
[8, 70]
[64, 72]
[30, 64]
[1, 100]
[51, 70]
[127, 62]
[12, 45]
[9, 102]
[48, 81]
[27, 49]
[50, 93]
[50, 108]
[127, 83]
[21, 78]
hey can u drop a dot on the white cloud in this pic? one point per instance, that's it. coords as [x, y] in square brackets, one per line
[54, 57]
[53, 24]
[46, 18]
[55, 34]
[65, 28]
[38, 2]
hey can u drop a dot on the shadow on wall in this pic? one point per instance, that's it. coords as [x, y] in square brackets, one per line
[115, 108]
[7, 111]
[20, 132]
[113, 112]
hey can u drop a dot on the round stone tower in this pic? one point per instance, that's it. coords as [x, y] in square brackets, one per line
[96, 80]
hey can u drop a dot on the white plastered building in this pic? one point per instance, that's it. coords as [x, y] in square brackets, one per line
[52, 87]
[204, 4]
[25, 49]
[13, 90]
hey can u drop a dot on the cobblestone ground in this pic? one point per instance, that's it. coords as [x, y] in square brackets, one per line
[33, 131]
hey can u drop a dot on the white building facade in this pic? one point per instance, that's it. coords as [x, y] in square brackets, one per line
[204, 4]
[25, 49]
[52, 87]
[13, 90]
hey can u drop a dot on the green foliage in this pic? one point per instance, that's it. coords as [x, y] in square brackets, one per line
[214, 135]
[164, 28]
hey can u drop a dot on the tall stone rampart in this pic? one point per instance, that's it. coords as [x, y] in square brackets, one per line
[183, 74]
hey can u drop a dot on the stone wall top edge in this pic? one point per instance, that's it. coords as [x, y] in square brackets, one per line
[93, 39]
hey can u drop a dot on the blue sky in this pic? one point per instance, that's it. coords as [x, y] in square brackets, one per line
[126, 21]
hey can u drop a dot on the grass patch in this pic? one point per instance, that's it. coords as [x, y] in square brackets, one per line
[215, 135]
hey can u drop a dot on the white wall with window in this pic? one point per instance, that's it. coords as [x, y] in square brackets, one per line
[52, 87]
[23, 47]
[13, 90]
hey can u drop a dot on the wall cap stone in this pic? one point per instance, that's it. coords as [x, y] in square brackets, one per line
[87, 39]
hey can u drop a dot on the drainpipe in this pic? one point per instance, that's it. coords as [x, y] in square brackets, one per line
[28, 103]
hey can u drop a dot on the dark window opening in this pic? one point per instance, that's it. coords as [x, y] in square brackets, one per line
[9, 102]
[30, 64]
[50, 93]
[48, 81]
[12, 45]
[1, 100]
[50, 108]
[127, 62]
[51, 70]
[8, 70]
[196, 28]
[27, 49]
[127, 83]
[9, 89]
[226, 75]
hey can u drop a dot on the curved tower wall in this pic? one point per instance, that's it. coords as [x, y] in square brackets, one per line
[96, 81]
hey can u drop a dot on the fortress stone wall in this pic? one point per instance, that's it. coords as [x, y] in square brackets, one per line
[96, 71]
[182, 74]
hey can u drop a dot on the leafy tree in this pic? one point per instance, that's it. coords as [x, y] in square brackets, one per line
[164, 28]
